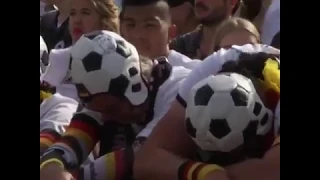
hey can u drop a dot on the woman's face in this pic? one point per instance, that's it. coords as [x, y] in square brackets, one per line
[240, 37]
[83, 19]
[113, 108]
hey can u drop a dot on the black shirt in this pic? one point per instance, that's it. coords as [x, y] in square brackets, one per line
[55, 37]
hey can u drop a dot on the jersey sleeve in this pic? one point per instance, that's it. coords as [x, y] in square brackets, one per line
[76, 143]
[211, 65]
[177, 59]
[56, 115]
[58, 67]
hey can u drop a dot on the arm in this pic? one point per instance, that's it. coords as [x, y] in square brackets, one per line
[267, 168]
[53, 122]
[158, 157]
[75, 144]
[116, 165]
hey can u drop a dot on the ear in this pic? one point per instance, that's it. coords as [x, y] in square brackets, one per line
[172, 32]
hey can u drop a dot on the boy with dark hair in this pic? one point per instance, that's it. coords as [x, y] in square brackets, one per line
[147, 25]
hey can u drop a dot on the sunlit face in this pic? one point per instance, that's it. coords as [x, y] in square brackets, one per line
[83, 19]
[116, 109]
[147, 29]
[211, 11]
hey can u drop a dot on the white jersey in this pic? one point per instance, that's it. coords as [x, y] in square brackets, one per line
[165, 96]
[177, 59]
[57, 73]
[212, 65]
[56, 112]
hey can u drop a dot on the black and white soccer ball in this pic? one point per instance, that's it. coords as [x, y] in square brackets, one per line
[43, 56]
[224, 112]
[104, 62]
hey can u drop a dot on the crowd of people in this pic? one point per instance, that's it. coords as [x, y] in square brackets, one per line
[159, 89]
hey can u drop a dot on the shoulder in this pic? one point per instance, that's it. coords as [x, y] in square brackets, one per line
[185, 42]
[57, 107]
[47, 17]
[171, 86]
[58, 99]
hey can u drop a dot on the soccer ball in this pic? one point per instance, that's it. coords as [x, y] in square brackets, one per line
[225, 112]
[43, 55]
[104, 62]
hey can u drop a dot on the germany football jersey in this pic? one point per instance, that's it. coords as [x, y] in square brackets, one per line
[56, 36]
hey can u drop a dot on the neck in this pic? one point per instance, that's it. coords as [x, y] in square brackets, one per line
[207, 41]
[208, 33]
[188, 26]
[164, 53]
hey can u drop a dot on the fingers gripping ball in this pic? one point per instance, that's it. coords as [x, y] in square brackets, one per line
[103, 62]
[224, 112]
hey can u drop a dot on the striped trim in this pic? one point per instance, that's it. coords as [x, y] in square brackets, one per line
[196, 171]
[78, 140]
[48, 137]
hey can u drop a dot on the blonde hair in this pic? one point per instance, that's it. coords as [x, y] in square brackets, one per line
[234, 24]
[109, 13]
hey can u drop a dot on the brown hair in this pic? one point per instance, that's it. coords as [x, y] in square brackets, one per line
[109, 13]
[231, 25]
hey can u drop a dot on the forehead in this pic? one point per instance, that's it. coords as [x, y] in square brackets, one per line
[82, 4]
[155, 11]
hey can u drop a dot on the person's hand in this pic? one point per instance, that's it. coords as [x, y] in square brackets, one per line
[55, 172]
[217, 175]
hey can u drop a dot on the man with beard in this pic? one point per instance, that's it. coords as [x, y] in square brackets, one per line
[199, 43]
[183, 16]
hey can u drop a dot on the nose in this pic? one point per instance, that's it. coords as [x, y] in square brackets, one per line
[137, 33]
[75, 20]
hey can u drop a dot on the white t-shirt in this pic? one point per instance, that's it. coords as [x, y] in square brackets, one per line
[56, 112]
[177, 59]
[165, 96]
[210, 66]
[57, 73]
[271, 24]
